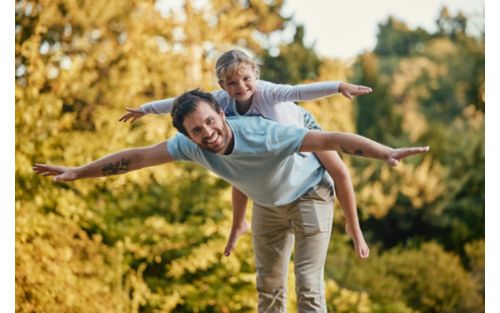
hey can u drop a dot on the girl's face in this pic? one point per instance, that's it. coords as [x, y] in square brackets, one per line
[240, 85]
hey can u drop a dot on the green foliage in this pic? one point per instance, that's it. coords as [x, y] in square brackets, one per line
[59, 268]
[377, 109]
[148, 241]
[294, 64]
[432, 95]
[425, 278]
[396, 38]
[452, 26]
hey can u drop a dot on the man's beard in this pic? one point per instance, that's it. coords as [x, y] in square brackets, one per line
[222, 137]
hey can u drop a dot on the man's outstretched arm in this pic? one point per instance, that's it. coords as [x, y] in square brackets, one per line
[356, 145]
[113, 164]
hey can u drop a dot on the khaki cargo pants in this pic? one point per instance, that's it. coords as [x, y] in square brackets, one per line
[305, 224]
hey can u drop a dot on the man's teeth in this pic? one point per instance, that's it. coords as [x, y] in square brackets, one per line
[214, 139]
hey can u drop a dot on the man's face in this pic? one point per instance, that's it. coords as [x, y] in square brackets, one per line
[240, 85]
[208, 129]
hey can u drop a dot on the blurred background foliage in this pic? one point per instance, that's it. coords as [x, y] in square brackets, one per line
[152, 241]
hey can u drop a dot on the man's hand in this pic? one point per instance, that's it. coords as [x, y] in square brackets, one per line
[396, 155]
[350, 90]
[133, 114]
[60, 173]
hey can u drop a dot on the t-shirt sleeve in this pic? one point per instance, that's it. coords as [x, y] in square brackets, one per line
[180, 148]
[276, 93]
[286, 139]
[165, 105]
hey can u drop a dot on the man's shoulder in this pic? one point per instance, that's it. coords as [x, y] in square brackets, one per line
[250, 121]
[180, 145]
[260, 126]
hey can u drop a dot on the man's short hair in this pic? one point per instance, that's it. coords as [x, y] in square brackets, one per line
[186, 103]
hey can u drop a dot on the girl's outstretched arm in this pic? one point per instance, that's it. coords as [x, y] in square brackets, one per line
[156, 107]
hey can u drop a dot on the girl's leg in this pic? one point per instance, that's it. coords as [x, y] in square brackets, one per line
[343, 188]
[345, 193]
[240, 225]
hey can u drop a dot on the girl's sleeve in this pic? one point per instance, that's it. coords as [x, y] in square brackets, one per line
[158, 107]
[304, 92]
[165, 106]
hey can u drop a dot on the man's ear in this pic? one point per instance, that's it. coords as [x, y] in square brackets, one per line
[222, 114]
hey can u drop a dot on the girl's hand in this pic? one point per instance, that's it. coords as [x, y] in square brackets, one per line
[350, 90]
[133, 114]
[360, 246]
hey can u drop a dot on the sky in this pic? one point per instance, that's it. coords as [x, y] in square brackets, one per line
[343, 29]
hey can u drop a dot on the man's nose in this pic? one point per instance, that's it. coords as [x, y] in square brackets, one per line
[206, 131]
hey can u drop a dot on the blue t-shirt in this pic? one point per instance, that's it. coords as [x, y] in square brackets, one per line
[265, 163]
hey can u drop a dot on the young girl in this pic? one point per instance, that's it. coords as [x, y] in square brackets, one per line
[243, 94]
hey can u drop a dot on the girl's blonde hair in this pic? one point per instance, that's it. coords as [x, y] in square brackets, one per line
[230, 61]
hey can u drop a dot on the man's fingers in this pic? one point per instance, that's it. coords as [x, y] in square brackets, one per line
[394, 161]
[46, 170]
[402, 153]
[406, 152]
[415, 150]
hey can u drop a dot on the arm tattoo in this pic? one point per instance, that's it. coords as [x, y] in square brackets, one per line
[356, 152]
[119, 167]
[359, 152]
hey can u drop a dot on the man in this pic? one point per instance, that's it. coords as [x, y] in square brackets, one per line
[270, 163]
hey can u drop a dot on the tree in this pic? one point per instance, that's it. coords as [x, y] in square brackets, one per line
[396, 38]
[452, 26]
[424, 278]
[154, 233]
[375, 114]
[295, 62]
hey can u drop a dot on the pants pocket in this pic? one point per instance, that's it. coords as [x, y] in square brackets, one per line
[315, 211]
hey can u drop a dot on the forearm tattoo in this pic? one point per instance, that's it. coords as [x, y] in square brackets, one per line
[356, 152]
[119, 167]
